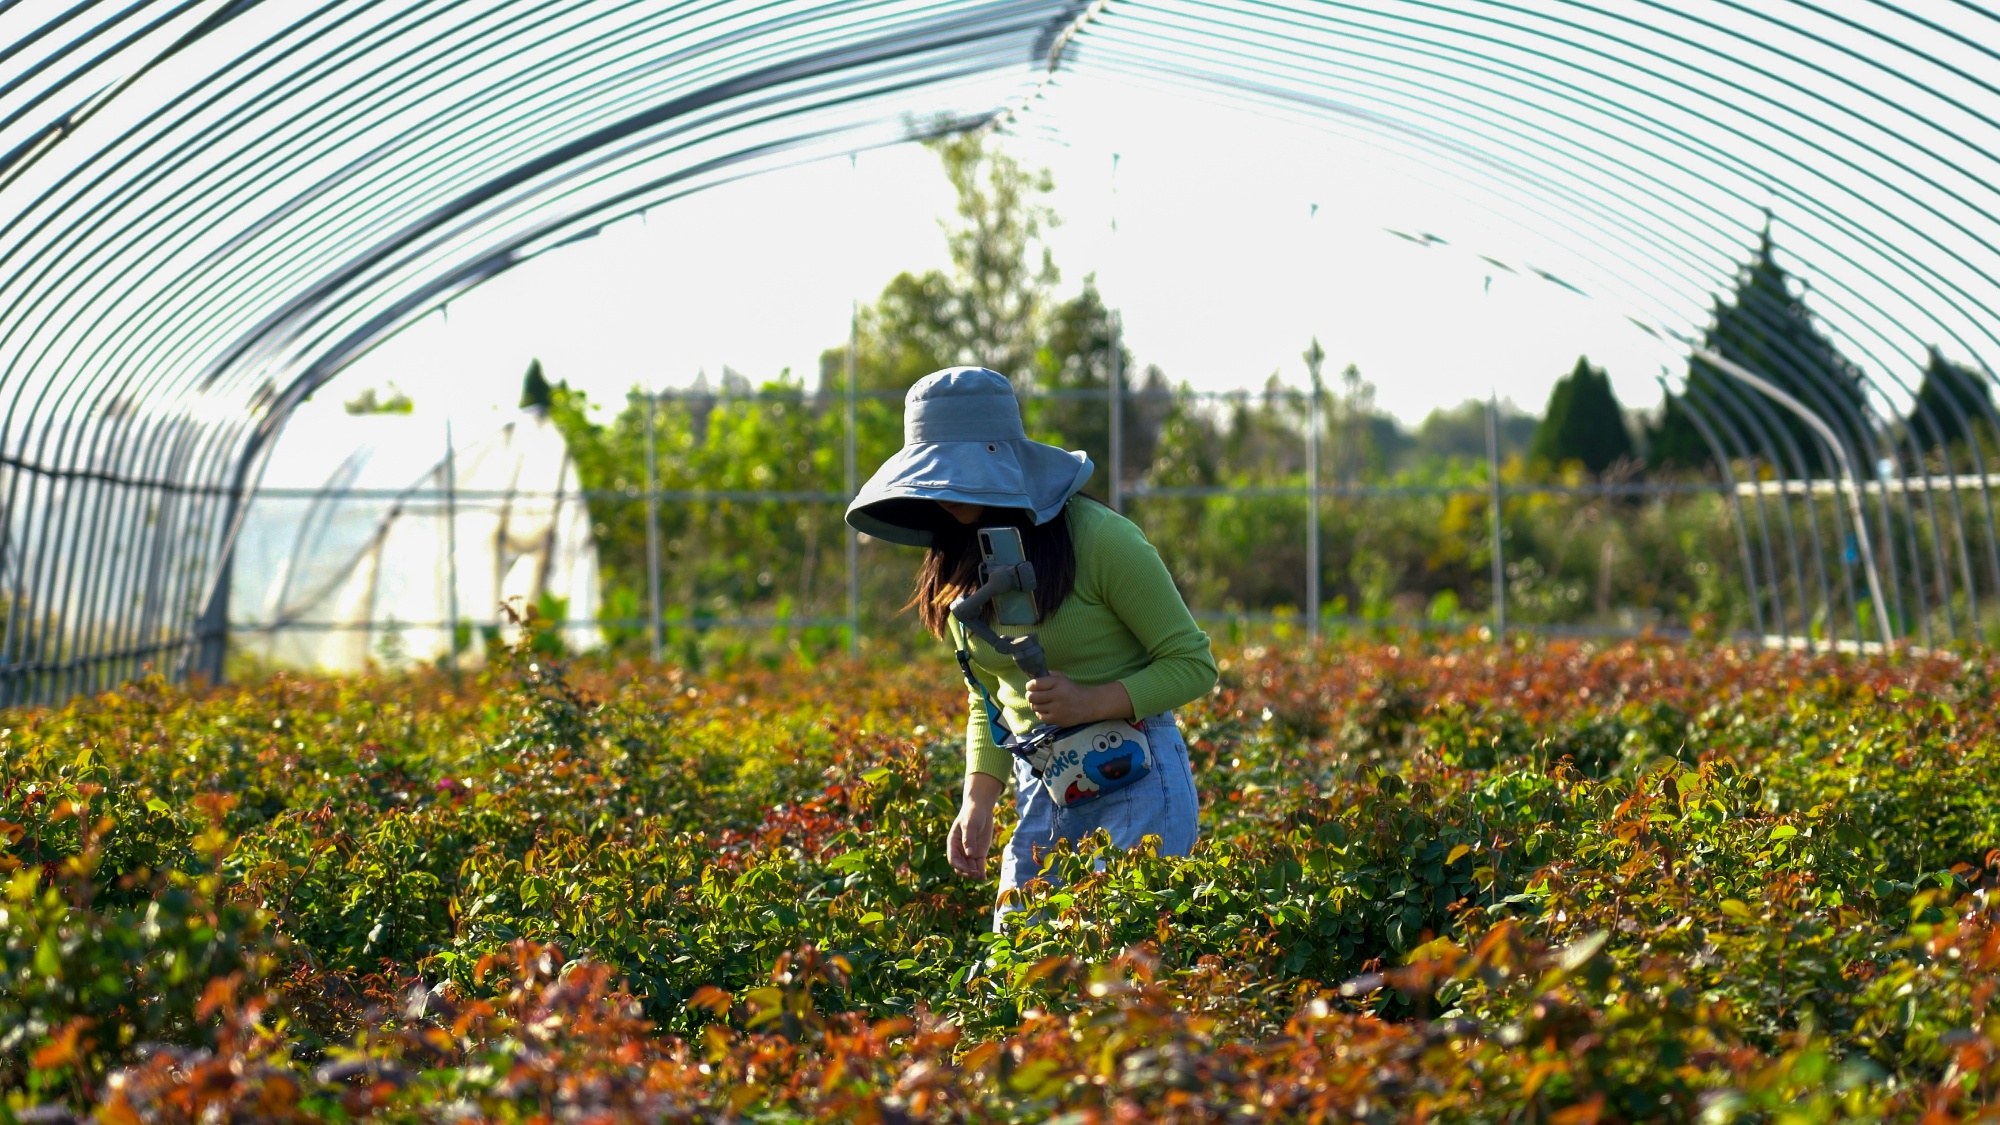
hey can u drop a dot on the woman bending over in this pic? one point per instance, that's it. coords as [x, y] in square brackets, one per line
[1092, 743]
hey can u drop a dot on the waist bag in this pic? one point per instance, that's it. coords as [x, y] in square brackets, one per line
[1075, 764]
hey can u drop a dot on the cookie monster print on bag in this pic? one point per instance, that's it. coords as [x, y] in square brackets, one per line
[1087, 762]
[1074, 764]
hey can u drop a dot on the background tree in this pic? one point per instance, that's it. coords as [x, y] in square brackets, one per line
[1459, 432]
[1079, 343]
[1234, 537]
[1583, 422]
[1366, 442]
[996, 306]
[535, 389]
[1674, 441]
[372, 401]
[1766, 327]
[1004, 272]
[1951, 404]
[991, 308]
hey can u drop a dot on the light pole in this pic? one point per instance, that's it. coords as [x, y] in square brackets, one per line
[451, 546]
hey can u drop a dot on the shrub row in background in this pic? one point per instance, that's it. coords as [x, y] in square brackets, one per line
[1471, 881]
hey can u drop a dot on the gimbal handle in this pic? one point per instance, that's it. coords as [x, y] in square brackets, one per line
[1001, 578]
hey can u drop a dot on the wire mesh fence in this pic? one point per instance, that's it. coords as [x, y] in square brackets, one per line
[715, 516]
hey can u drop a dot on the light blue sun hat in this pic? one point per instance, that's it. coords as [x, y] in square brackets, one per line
[963, 441]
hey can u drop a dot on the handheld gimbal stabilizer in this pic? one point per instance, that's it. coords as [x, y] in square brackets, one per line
[1004, 574]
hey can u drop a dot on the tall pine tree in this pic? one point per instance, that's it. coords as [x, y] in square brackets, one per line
[1764, 326]
[535, 391]
[1583, 422]
[1951, 404]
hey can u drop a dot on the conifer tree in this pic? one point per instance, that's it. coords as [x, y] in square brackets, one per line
[535, 388]
[1955, 398]
[1765, 327]
[1583, 423]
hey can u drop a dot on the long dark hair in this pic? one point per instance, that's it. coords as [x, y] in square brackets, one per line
[951, 565]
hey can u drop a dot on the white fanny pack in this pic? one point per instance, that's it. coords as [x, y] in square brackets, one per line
[1075, 764]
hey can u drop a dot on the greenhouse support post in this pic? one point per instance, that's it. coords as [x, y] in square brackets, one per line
[653, 534]
[1315, 356]
[1114, 381]
[1493, 487]
[1848, 473]
[853, 536]
[1115, 391]
[451, 546]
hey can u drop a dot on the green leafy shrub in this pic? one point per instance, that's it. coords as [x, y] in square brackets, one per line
[1442, 878]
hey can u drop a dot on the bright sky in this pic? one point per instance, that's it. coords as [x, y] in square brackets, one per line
[1221, 263]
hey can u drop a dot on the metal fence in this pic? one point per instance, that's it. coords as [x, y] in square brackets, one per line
[1868, 545]
[1778, 591]
[1797, 572]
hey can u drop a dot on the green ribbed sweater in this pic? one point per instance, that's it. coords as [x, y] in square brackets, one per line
[1123, 620]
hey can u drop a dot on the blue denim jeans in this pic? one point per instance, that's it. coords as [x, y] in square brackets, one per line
[1162, 804]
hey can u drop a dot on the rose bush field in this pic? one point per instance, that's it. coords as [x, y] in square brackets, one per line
[1439, 879]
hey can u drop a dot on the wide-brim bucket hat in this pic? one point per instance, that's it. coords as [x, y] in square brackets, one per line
[963, 441]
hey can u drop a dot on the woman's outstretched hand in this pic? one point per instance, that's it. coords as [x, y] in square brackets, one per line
[971, 836]
[1059, 700]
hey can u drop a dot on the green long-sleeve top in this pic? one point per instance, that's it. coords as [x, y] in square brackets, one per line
[1123, 620]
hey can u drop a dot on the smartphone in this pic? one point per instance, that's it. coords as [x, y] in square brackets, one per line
[1003, 545]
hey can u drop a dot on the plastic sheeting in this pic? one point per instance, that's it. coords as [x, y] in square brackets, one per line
[369, 538]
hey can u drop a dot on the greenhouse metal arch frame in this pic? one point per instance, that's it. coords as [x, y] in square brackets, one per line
[208, 208]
